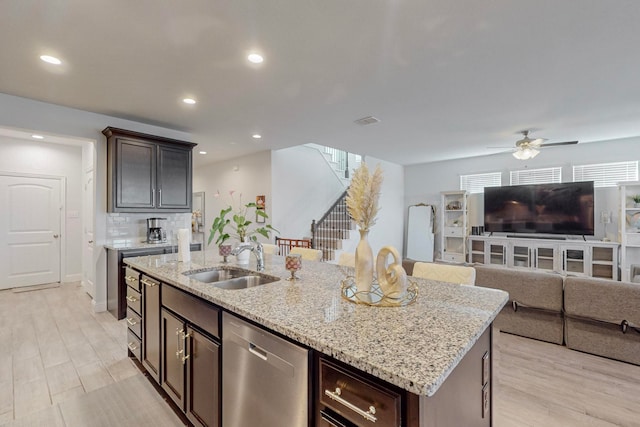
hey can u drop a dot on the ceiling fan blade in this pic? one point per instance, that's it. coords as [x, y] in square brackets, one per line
[551, 144]
[538, 142]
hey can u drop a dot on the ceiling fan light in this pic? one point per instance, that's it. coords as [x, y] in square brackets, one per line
[526, 153]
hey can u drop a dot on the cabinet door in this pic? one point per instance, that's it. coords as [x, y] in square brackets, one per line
[575, 260]
[174, 178]
[135, 177]
[203, 379]
[172, 372]
[545, 256]
[497, 253]
[151, 326]
[520, 256]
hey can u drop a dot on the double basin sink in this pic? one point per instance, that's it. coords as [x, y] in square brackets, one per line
[231, 277]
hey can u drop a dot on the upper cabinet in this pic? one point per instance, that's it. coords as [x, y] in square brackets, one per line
[147, 173]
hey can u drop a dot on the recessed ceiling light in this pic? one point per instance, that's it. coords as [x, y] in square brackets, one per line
[256, 136]
[34, 136]
[255, 58]
[203, 152]
[51, 59]
[189, 101]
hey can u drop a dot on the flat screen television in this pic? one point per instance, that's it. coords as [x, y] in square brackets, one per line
[565, 208]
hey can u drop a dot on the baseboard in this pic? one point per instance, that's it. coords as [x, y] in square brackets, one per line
[98, 307]
[72, 278]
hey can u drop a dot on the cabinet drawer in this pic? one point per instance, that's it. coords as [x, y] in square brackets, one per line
[133, 299]
[198, 312]
[452, 257]
[134, 344]
[357, 399]
[134, 322]
[132, 278]
[453, 231]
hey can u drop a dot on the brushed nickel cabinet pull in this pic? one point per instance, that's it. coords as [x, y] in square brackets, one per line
[132, 346]
[335, 395]
[131, 299]
[131, 322]
[148, 283]
[184, 346]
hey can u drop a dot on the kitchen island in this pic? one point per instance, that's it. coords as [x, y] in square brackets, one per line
[423, 349]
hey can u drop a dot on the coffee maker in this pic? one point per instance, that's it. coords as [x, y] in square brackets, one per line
[155, 233]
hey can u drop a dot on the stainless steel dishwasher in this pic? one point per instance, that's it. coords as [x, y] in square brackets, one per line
[265, 379]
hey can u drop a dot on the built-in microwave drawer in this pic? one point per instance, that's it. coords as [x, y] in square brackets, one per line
[134, 322]
[361, 401]
[132, 278]
[134, 344]
[133, 299]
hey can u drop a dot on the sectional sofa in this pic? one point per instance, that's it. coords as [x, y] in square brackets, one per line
[594, 316]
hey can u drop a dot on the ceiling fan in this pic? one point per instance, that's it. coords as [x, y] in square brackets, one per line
[527, 148]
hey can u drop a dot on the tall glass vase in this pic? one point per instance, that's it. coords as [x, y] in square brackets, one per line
[364, 263]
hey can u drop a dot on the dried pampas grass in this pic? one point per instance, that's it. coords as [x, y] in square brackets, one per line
[363, 195]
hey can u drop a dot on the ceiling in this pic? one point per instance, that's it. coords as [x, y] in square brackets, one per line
[446, 78]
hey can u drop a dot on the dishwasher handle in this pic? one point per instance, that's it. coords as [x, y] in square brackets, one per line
[257, 351]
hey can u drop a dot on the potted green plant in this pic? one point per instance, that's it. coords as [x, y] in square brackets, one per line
[636, 200]
[239, 224]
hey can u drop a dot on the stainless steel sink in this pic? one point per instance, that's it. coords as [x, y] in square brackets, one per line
[231, 278]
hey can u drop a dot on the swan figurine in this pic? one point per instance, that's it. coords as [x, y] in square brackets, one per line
[392, 278]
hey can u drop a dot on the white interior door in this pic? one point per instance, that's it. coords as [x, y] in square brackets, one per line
[88, 263]
[30, 211]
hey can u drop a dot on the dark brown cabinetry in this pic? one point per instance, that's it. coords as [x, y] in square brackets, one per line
[147, 173]
[134, 319]
[190, 344]
[350, 399]
[117, 277]
[151, 325]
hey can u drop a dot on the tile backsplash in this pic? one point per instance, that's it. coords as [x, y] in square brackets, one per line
[134, 226]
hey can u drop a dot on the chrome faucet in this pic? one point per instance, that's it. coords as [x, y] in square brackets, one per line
[257, 250]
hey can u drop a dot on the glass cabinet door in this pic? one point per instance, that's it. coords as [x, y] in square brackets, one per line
[544, 258]
[575, 260]
[497, 253]
[521, 256]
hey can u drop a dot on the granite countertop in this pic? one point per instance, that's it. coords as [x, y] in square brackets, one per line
[414, 347]
[126, 244]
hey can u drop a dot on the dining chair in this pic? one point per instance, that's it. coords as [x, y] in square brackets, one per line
[307, 254]
[269, 248]
[347, 259]
[286, 244]
[445, 273]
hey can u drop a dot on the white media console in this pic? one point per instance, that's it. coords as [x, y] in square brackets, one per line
[568, 257]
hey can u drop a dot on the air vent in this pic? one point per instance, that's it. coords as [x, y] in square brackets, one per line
[369, 120]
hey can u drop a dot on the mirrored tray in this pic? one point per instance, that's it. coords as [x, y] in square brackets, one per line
[375, 297]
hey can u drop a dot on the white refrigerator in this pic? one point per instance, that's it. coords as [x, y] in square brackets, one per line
[420, 238]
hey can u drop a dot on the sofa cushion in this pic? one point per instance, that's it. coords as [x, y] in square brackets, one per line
[536, 302]
[531, 289]
[601, 299]
[602, 317]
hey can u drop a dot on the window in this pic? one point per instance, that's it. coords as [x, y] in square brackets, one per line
[606, 174]
[536, 176]
[476, 183]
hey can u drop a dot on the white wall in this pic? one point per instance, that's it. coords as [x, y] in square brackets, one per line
[38, 158]
[304, 188]
[425, 181]
[252, 178]
[389, 227]
[41, 117]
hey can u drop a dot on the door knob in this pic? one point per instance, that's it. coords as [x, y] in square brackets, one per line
[90, 241]
[55, 236]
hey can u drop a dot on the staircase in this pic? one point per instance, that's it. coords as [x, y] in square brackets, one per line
[329, 232]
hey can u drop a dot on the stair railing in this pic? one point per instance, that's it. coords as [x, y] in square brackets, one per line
[329, 225]
[341, 158]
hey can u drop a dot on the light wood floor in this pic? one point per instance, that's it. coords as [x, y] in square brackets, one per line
[63, 365]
